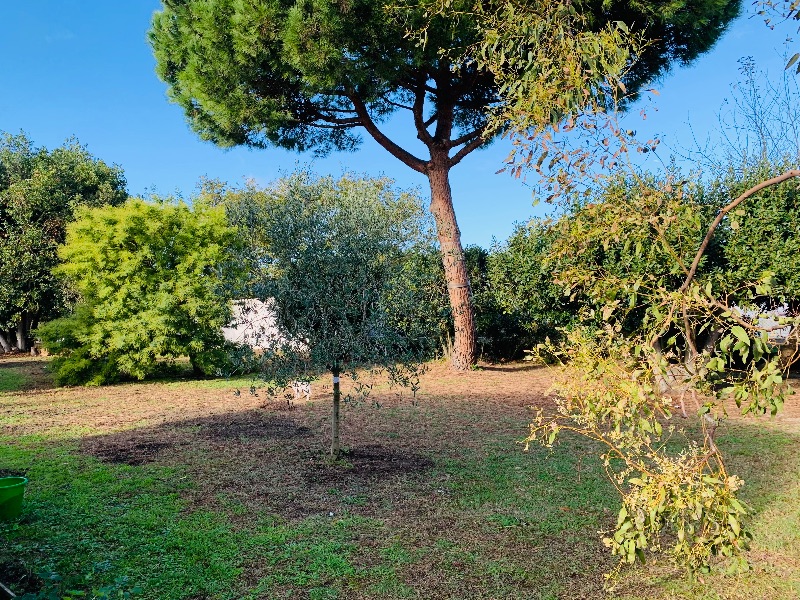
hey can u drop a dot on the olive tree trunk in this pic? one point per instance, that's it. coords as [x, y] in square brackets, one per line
[455, 268]
[337, 395]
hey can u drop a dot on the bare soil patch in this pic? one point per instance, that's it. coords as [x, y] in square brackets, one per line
[14, 575]
[368, 462]
[131, 451]
[250, 425]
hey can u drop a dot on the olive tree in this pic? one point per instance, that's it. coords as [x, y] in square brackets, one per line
[332, 256]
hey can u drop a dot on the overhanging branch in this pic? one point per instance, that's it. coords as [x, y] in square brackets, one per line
[366, 121]
[753, 190]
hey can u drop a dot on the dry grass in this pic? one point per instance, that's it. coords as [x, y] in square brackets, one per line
[433, 499]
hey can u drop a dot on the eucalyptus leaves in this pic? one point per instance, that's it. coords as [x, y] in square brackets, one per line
[671, 325]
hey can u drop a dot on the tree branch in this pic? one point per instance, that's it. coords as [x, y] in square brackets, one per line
[399, 153]
[753, 190]
[743, 322]
[348, 122]
[473, 145]
[334, 126]
[419, 105]
[467, 137]
[341, 110]
[398, 105]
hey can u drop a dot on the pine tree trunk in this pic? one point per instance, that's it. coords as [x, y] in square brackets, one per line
[455, 269]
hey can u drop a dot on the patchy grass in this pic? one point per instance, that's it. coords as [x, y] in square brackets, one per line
[192, 491]
[11, 380]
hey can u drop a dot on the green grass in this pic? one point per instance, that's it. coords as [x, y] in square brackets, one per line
[83, 517]
[769, 461]
[80, 513]
[11, 380]
[495, 522]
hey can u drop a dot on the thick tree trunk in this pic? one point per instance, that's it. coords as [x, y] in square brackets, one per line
[22, 344]
[455, 268]
[4, 343]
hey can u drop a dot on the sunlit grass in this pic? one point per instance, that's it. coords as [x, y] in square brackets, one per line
[11, 380]
[486, 521]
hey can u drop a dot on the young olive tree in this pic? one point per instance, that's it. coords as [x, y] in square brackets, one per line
[332, 257]
[313, 75]
[155, 281]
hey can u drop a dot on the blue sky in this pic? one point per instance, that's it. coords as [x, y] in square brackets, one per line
[83, 68]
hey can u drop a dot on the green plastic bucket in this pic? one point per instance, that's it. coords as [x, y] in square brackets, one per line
[11, 491]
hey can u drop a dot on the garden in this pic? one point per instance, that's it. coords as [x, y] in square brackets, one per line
[312, 388]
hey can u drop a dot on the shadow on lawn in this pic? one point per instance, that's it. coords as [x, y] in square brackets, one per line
[266, 461]
[489, 523]
[273, 461]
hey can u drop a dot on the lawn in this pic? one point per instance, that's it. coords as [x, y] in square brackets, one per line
[204, 490]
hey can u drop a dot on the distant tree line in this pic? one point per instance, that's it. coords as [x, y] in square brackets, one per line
[39, 193]
[120, 287]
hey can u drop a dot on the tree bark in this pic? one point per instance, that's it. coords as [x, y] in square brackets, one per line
[437, 169]
[22, 344]
[196, 370]
[335, 448]
[33, 323]
[455, 268]
[4, 343]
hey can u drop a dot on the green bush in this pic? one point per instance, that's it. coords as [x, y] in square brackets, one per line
[155, 282]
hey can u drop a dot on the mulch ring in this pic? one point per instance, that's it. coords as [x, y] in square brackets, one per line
[296, 478]
[367, 462]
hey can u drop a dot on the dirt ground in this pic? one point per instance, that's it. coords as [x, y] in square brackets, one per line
[145, 422]
[140, 423]
[236, 440]
[491, 388]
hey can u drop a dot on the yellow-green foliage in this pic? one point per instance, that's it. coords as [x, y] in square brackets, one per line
[155, 279]
[669, 333]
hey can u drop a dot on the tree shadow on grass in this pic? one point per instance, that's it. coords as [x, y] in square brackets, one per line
[492, 522]
[266, 462]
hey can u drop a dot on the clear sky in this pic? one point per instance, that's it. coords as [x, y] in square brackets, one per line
[84, 68]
